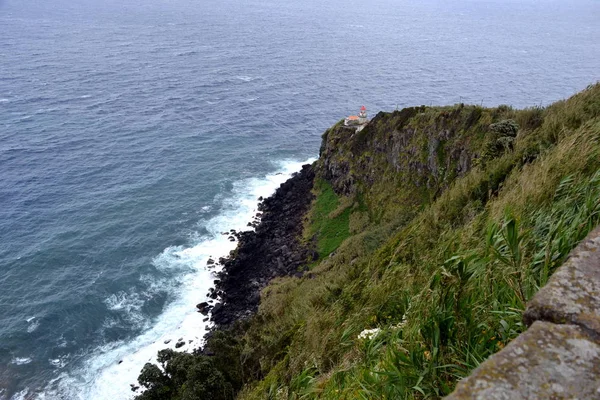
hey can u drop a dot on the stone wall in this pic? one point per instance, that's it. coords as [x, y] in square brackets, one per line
[558, 357]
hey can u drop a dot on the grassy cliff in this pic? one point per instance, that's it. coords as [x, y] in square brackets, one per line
[432, 227]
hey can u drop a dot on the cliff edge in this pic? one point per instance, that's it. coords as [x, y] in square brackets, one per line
[414, 249]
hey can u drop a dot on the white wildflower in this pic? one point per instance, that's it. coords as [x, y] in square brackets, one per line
[401, 324]
[369, 333]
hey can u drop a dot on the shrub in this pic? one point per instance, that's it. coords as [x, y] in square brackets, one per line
[183, 376]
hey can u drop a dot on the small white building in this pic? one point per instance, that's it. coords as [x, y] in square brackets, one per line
[357, 120]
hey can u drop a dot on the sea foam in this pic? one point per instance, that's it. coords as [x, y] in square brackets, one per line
[110, 370]
[20, 360]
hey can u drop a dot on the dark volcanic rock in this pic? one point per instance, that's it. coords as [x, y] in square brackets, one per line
[272, 249]
[203, 308]
[217, 307]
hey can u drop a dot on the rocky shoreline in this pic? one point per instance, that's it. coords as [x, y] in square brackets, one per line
[273, 249]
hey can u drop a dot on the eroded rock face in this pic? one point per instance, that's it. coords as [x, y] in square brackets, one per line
[392, 147]
[548, 361]
[272, 250]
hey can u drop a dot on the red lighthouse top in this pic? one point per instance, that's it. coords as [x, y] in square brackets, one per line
[363, 108]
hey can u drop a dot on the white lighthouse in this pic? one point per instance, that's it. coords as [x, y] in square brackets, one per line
[362, 115]
[357, 120]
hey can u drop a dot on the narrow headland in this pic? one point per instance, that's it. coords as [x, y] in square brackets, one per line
[414, 249]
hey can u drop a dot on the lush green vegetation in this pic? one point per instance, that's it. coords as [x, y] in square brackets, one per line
[184, 376]
[328, 222]
[432, 267]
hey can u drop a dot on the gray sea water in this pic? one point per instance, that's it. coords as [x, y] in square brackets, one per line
[132, 133]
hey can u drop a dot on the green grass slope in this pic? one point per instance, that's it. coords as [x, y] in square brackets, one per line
[433, 227]
[456, 217]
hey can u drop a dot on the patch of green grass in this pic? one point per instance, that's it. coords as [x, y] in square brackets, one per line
[328, 220]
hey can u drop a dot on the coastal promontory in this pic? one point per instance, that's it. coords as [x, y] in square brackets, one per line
[410, 252]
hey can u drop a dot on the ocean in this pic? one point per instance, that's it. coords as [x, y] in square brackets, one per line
[134, 133]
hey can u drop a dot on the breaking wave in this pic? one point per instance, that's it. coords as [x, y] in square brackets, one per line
[109, 370]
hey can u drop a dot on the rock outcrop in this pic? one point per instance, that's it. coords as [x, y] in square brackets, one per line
[273, 249]
[547, 362]
[558, 357]
[572, 296]
[407, 157]
[426, 155]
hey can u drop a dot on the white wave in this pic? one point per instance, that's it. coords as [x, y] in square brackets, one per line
[129, 304]
[33, 326]
[123, 301]
[58, 362]
[29, 319]
[22, 395]
[20, 360]
[109, 371]
[4, 100]
[245, 78]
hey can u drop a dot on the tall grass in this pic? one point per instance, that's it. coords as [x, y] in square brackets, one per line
[445, 285]
[423, 272]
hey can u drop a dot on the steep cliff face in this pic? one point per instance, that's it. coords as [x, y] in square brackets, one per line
[446, 221]
[406, 157]
[420, 239]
